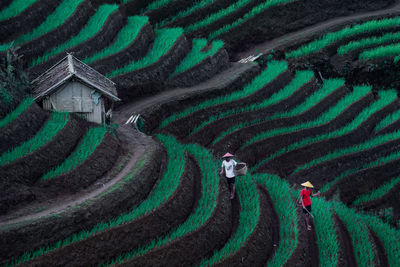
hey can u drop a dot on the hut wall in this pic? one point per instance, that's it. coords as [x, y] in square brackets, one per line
[76, 97]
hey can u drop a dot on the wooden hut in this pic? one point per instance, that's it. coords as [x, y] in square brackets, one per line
[72, 86]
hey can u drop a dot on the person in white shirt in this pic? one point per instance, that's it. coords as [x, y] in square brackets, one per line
[227, 167]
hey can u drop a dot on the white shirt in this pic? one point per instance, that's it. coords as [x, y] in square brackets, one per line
[229, 168]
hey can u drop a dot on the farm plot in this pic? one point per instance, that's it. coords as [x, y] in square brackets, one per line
[162, 192]
[15, 8]
[198, 53]
[48, 132]
[255, 87]
[60, 15]
[329, 115]
[93, 26]
[124, 39]
[249, 217]
[355, 130]
[350, 31]
[279, 191]
[305, 104]
[203, 229]
[163, 42]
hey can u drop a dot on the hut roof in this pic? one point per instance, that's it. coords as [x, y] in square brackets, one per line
[72, 68]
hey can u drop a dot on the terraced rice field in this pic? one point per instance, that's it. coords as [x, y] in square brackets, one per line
[319, 103]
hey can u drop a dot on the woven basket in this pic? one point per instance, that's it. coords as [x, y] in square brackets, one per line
[240, 169]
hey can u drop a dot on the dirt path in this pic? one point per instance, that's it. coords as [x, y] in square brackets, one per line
[309, 31]
[127, 110]
[135, 141]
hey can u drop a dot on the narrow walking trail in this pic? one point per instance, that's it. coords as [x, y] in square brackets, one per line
[307, 32]
[224, 77]
[136, 143]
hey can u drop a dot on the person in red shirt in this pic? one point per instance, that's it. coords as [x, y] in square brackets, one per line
[305, 195]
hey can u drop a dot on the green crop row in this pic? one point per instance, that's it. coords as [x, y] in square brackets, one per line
[54, 20]
[125, 38]
[389, 236]
[376, 141]
[377, 193]
[380, 52]
[385, 99]
[165, 38]
[15, 8]
[206, 205]
[375, 163]
[388, 120]
[26, 103]
[249, 217]
[195, 7]
[93, 26]
[361, 240]
[253, 12]
[328, 244]
[371, 143]
[280, 193]
[328, 87]
[217, 15]
[156, 4]
[45, 135]
[274, 68]
[330, 38]
[87, 146]
[162, 192]
[301, 78]
[330, 114]
[196, 55]
[374, 40]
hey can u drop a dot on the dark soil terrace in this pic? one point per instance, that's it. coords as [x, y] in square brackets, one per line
[346, 252]
[105, 245]
[33, 16]
[168, 10]
[149, 80]
[44, 158]
[225, 20]
[199, 14]
[196, 245]
[182, 127]
[139, 47]
[306, 251]
[22, 128]
[288, 162]
[86, 173]
[209, 132]
[202, 71]
[70, 27]
[103, 38]
[354, 185]
[260, 245]
[389, 200]
[379, 72]
[258, 150]
[328, 170]
[30, 234]
[230, 80]
[293, 16]
[380, 249]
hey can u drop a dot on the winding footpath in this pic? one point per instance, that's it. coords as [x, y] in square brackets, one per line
[308, 32]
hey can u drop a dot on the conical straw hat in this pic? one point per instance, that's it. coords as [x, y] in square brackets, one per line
[227, 155]
[307, 184]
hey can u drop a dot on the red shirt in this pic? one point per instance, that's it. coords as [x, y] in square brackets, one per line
[305, 194]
